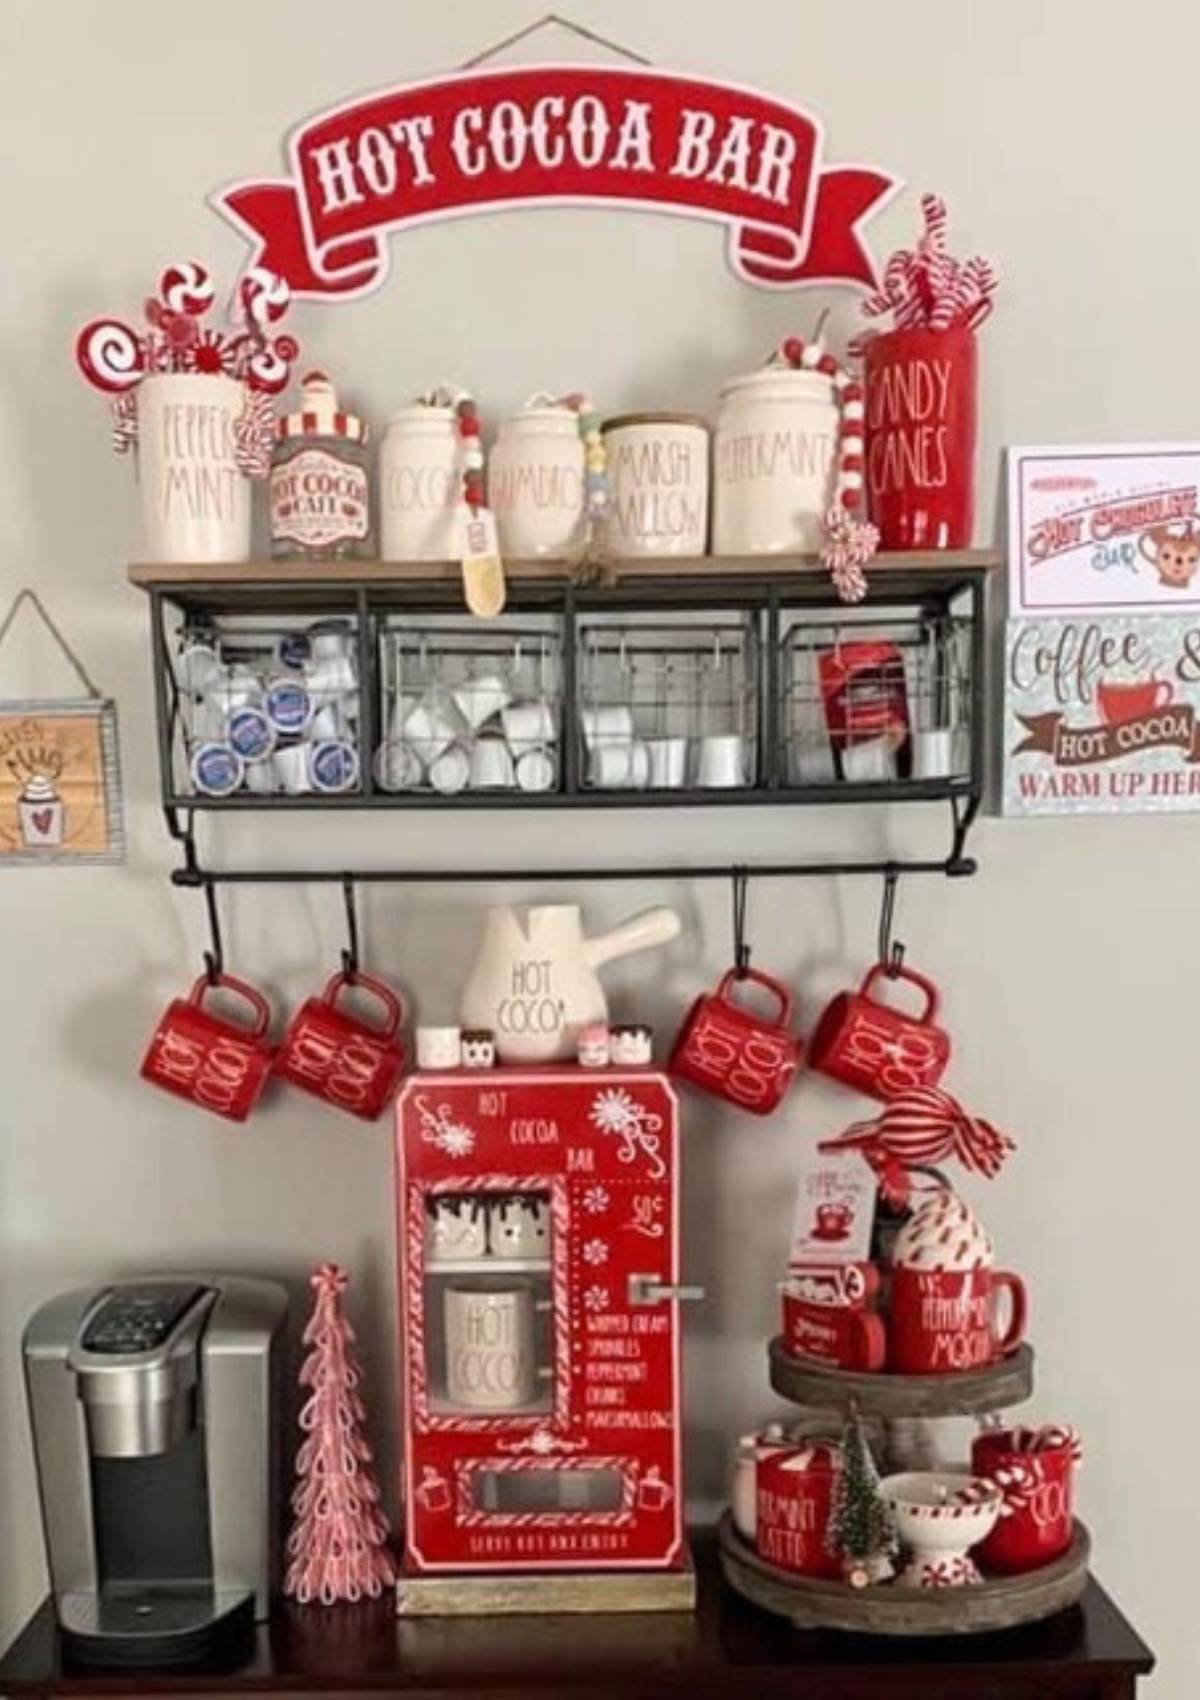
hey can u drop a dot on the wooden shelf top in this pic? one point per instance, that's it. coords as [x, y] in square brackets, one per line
[164, 575]
[725, 1650]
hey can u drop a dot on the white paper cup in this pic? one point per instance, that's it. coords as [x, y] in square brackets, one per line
[528, 725]
[233, 688]
[451, 771]
[873, 762]
[722, 761]
[811, 762]
[482, 698]
[331, 676]
[535, 770]
[491, 765]
[327, 642]
[619, 767]
[439, 1047]
[261, 778]
[327, 722]
[197, 668]
[432, 727]
[933, 753]
[398, 767]
[668, 763]
[610, 724]
[290, 764]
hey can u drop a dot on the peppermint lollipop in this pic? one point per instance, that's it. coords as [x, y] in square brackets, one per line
[111, 355]
[186, 288]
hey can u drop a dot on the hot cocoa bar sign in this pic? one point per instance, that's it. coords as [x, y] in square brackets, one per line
[1102, 715]
[483, 141]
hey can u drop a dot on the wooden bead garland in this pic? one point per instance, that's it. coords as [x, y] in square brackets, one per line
[850, 540]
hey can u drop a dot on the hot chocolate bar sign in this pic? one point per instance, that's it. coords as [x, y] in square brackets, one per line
[483, 141]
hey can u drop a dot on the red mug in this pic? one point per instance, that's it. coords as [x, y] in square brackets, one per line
[920, 438]
[876, 1048]
[850, 1336]
[1119, 702]
[1037, 1515]
[219, 1064]
[853, 1284]
[943, 1321]
[730, 1051]
[350, 1064]
[793, 1495]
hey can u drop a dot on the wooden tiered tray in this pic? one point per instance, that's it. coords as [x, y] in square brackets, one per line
[1008, 1382]
[999, 1603]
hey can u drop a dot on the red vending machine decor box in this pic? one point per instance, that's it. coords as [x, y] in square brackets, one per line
[539, 1235]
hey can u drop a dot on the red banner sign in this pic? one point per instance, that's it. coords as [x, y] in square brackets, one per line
[486, 141]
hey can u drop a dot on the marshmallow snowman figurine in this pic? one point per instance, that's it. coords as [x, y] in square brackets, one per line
[520, 1226]
[594, 1045]
[456, 1226]
[632, 1045]
[478, 1047]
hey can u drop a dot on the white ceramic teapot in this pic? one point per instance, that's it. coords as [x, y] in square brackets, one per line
[535, 983]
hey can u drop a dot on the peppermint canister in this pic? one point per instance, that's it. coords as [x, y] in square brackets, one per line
[535, 481]
[421, 485]
[774, 457]
[658, 483]
[195, 498]
[320, 500]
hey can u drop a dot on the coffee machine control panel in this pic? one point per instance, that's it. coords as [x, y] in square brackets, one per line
[139, 1319]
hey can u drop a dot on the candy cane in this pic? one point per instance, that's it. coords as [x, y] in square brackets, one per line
[124, 422]
[111, 355]
[254, 434]
[186, 288]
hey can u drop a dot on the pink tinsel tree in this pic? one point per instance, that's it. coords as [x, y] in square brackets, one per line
[337, 1549]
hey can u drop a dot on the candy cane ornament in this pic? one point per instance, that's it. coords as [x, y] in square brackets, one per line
[850, 539]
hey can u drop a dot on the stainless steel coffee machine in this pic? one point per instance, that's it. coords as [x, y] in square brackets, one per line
[155, 1414]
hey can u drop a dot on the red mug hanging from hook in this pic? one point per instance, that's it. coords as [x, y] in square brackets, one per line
[352, 1064]
[219, 1064]
[747, 1059]
[876, 1048]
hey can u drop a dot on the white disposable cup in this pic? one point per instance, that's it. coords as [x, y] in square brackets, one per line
[668, 763]
[198, 668]
[527, 725]
[327, 722]
[619, 767]
[235, 687]
[439, 1047]
[402, 709]
[432, 727]
[491, 765]
[811, 763]
[208, 721]
[398, 767]
[873, 762]
[331, 643]
[331, 676]
[291, 769]
[535, 770]
[933, 753]
[610, 724]
[261, 777]
[722, 758]
[490, 1347]
[479, 699]
[451, 771]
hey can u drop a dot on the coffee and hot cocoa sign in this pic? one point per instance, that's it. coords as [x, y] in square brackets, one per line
[1102, 715]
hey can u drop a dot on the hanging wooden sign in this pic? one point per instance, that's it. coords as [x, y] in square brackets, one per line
[60, 785]
[484, 141]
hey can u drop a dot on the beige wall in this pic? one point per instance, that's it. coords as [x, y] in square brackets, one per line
[1065, 149]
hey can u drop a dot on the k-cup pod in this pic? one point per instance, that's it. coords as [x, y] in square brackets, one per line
[432, 726]
[873, 762]
[610, 724]
[668, 763]
[722, 763]
[439, 1047]
[619, 767]
[451, 771]
[234, 688]
[810, 762]
[217, 770]
[250, 734]
[290, 763]
[293, 650]
[197, 667]
[528, 725]
[535, 770]
[207, 722]
[333, 765]
[327, 722]
[328, 639]
[261, 778]
[288, 706]
[933, 753]
[482, 698]
[491, 765]
[398, 767]
[330, 677]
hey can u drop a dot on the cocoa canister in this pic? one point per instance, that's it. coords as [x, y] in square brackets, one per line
[658, 483]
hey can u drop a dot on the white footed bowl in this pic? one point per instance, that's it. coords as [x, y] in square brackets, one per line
[941, 1515]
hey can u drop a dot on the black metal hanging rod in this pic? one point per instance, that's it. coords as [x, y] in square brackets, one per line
[951, 868]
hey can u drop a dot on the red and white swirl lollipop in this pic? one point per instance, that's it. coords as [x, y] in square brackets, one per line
[264, 297]
[186, 288]
[111, 355]
[270, 368]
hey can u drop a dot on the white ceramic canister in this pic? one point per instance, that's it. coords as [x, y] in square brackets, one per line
[657, 483]
[535, 481]
[195, 501]
[774, 455]
[420, 486]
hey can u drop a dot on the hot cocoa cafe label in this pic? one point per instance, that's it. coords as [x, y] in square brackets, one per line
[491, 140]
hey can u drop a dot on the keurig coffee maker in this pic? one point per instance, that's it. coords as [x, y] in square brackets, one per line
[154, 1407]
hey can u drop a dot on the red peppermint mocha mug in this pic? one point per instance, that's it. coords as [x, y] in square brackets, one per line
[793, 1493]
[850, 1336]
[728, 1050]
[351, 1064]
[1037, 1515]
[876, 1048]
[219, 1064]
[944, 1321]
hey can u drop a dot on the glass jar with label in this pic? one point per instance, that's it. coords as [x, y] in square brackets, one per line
[320, 495]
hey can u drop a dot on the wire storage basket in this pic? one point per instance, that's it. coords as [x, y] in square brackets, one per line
[668, 705]
[873, 698]
[470, 707]
[258, 709]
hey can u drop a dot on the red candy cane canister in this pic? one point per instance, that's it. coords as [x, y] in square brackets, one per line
[920, 437]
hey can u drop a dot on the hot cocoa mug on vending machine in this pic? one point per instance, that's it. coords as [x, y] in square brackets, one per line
[353, 1065]
[219, 1064]
[876, 1048]
[734, 1053]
